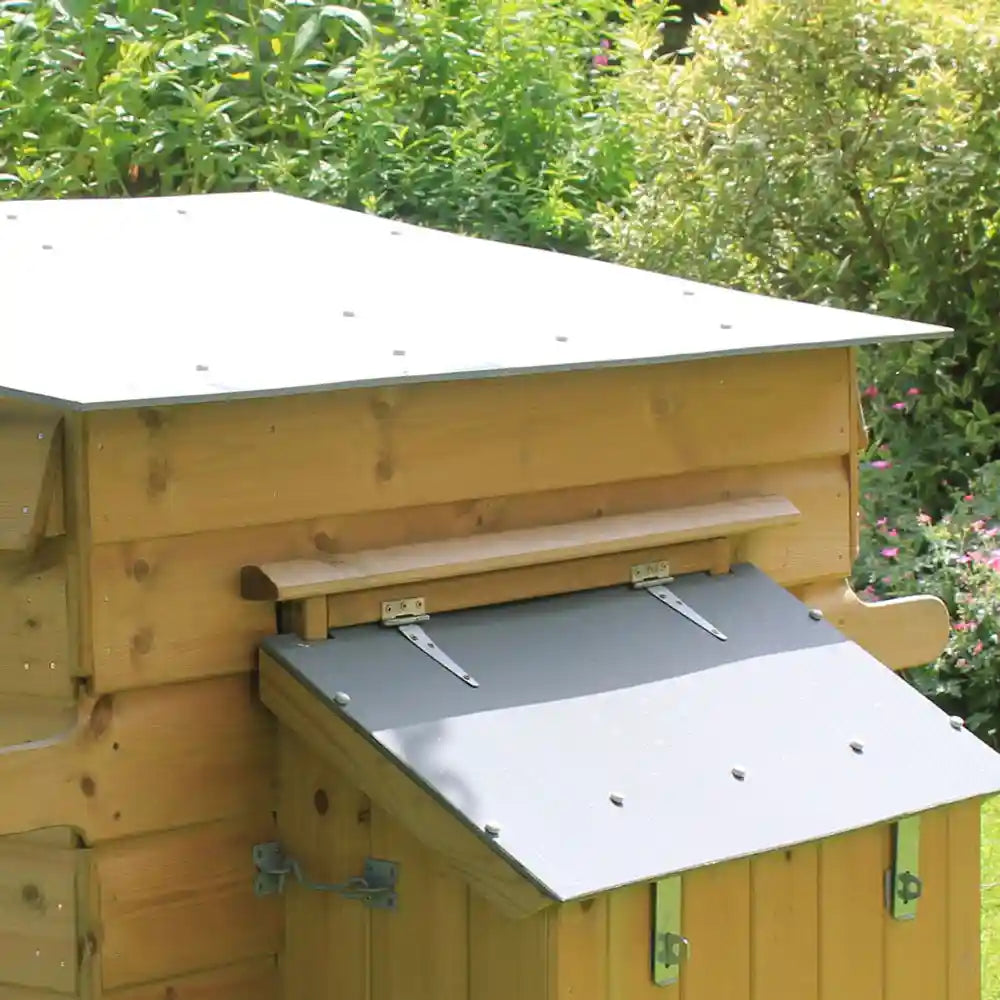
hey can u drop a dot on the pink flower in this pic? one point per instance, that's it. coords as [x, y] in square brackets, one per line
[890, 553]
[978, 525]
[913, 391]
[892, 533]
[881, 522]
[871, 392]
[968, 498]
[962, 664]
[994, 562]
[978, 648]
[899, 406]
[887, 579]
[605, 43]
[881, 463]
[923, 518]
[601, 60]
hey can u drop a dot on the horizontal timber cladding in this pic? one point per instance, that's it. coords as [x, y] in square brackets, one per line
[34, 634]
[200, 467]
[181, 901]
[146, 760]
[170, 609]
[773, 927]
[253, 980]
[38, 915]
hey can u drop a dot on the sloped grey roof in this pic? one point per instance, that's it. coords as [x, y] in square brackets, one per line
[608, 692]
[120, 302]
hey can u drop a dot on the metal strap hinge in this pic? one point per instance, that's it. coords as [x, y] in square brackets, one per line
[903, 885]
[375, 887]
[653, 578]
[670, 949]
[406, 615]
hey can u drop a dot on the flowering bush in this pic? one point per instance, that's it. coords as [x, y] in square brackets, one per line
[957, 558]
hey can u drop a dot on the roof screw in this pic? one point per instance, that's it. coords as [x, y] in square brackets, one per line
[815, 614]
[342, 698]
[688, 291]
[562, 338]
[12, 218]
[348, 314]
[617, 800]
[41, 436]
[857, 746]
[46, 246]
[492, 830]
[725, 326]
[201, 368]
[182, 211]
[739, 773]
[399, 353]
[957, 722]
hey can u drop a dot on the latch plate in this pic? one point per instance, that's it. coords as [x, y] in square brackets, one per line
[404, 611]
[646, 574]
[669, 948]
[903, 885]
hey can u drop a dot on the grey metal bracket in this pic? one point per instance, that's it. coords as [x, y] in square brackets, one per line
[903, 885]
[375, 887]
[653, 578]
[406, 615]
[669, 948]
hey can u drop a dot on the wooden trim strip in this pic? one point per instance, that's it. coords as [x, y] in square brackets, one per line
[504, 550]
[31, 449]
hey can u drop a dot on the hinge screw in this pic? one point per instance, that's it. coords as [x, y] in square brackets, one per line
[957, 722]
[617, 800]
[492, 830]
[739, 774]
[342, 698]
[857, 746]
[815, 614]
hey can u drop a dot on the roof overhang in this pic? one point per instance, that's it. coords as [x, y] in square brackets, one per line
[124, 302]
[611, 740]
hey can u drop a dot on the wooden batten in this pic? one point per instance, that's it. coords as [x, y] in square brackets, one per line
[487, 553]
[31, 501]
[144, 761]
[429, 821]
[253, 980]
[170, 609]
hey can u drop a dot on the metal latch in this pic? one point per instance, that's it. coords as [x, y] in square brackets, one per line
[375, 887]
[903, 885]
[653, 578]
[670, 949]
[405, 615]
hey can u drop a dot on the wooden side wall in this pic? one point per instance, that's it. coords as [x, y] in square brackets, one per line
[129, 616]
[803, 924]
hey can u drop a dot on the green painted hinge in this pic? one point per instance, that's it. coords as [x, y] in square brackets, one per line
[903, 885]
[670, 948]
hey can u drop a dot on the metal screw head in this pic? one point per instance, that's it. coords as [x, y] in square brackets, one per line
[957, 722]
[725, 326]
[492, 830]
[739, 773]
[342, 698]
[616, 799]
[857, 746]
[815, 614]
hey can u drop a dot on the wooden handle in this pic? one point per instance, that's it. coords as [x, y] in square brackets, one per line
[902, 632]
[37, 785]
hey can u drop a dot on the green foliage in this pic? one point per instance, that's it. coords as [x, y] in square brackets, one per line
[956, 557]
[484, 116]
[842, 152]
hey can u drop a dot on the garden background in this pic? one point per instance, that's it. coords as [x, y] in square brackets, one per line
[838, 151]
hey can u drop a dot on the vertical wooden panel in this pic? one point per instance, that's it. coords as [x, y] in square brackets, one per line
[964, 901]
[508, 958]
[716, 916]
[420, 951]
[630, 935]
[851, 871]
[916, 951]
[578, 945]
[784, 922]
[326, 825]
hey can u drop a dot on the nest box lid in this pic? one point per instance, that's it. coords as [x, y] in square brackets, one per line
[126, 302]
[613, 740]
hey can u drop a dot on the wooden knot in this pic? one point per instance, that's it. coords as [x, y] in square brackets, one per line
[32, 896]
[88, 786]
[142, 641]
[139, 570]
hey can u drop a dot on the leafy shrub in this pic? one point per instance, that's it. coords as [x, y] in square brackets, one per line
[956, 557]
[841, 152]
[485, 116]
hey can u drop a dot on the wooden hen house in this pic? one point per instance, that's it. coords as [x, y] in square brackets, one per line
[380, 621]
